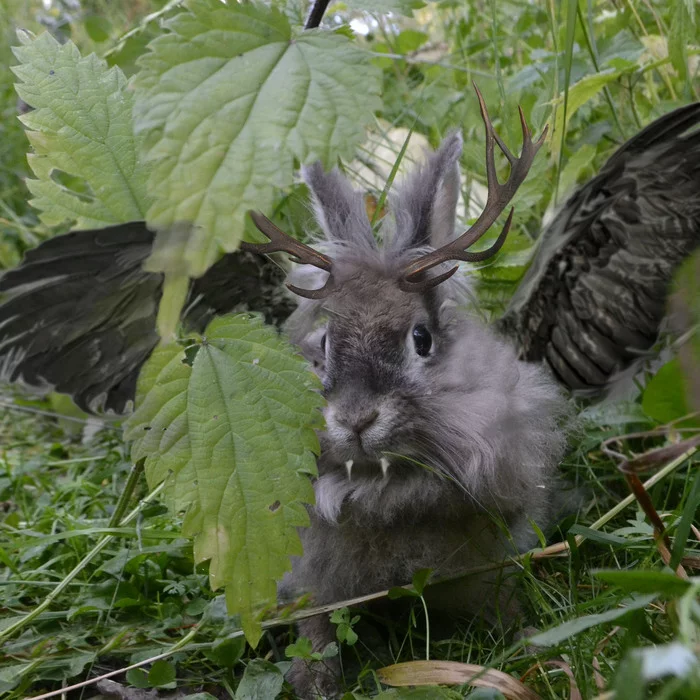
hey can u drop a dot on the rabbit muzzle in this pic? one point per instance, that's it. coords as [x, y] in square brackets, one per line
[359, 432]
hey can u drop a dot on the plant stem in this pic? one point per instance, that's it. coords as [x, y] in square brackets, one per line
[589, 36]
[316, 14]
[571, 16]
[427, 629]
[123, 502]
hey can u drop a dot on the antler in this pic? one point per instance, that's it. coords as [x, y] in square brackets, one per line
[498, 197]
[281, 242]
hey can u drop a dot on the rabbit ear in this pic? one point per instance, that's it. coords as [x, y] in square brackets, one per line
[426, 203]
[340, 210]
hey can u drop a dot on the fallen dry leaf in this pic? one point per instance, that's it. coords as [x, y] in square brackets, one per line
[455, 673]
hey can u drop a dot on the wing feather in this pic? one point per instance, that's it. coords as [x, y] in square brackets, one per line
[594, 297]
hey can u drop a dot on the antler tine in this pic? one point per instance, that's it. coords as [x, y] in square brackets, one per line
[496, 201]
[280, 242]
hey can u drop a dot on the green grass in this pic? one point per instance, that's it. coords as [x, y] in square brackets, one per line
[142, 596]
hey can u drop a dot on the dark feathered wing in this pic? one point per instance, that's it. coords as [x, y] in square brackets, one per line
[79, 314]
[594, 298]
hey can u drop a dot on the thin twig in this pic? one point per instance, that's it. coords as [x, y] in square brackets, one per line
[316, 14]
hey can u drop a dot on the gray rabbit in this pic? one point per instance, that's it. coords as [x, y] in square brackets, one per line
[435, 430]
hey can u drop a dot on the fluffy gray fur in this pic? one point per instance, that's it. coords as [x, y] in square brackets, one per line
[471, 434]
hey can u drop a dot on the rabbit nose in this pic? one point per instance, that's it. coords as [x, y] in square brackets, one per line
[358, 424]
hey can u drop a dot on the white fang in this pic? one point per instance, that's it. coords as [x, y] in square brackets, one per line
[348, 468]
[385, 465]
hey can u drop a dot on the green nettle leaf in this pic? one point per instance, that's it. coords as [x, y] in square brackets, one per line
[232, 435]
[228, 98]
[86, 157]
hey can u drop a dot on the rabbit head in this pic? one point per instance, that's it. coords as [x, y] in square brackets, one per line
[425, 406]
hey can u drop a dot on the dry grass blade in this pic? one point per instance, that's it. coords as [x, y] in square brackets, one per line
[597, 675]
[455, 673]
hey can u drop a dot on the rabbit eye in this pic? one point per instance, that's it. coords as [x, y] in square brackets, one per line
[422, 340]
[323, 342]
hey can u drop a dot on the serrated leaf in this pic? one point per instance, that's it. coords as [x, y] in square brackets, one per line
[228, 98]
[233, 437]
[81, 127]
[344, 631]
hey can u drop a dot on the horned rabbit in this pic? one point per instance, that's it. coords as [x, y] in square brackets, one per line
[434, 429]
